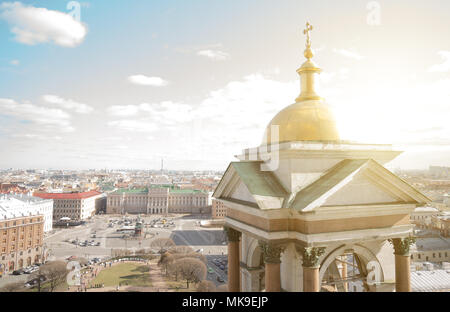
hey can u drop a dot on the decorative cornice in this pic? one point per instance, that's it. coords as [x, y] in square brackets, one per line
[401, 245]
[311, 255]
[232, 234]
[271, 252]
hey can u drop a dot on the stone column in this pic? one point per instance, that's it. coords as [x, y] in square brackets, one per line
[402, 263]
[344, 272]
[272, 261]
[311, 265]
[233, 259]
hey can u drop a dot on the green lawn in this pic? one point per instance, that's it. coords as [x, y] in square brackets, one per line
[132, 274]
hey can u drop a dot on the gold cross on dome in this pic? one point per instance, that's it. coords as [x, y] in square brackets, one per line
[306, 32]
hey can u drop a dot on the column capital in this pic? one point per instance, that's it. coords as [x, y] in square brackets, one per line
[232, 234]
[311, 255]
[402, 245]
[271, 251]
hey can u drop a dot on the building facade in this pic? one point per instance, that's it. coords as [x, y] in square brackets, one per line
[157, 200]
[76, 206]
[21, 236]
[219, 210]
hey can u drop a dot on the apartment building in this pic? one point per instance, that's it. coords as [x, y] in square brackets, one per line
[21, 236]
[76, 206]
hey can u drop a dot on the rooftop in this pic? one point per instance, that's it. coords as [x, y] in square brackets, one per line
[438, 243]
[67, 195]
[436, 280]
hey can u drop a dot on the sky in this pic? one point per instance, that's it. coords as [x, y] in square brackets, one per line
[123, 84]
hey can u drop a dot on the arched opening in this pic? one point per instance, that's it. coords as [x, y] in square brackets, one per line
[346, 273]
[255, 261]
[20, 263]
[11, 266]
[28, 261]
[350, 268]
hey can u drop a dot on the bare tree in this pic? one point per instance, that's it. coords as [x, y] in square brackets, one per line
[195, 255]
[191, 269]
[181, 250]
[55, 272]
[162, 244]
[13, 287]
[165, 261]
[206, 286]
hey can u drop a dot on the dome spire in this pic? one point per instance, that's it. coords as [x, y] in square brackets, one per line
[308, 52]
[308, 70]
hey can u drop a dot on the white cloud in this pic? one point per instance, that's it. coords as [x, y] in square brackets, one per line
[36, 114]
[133, 125]
[215, 55]
[166, 112]
[349, 54]
[68, 104]
[37, 137]
[231, 117]
[33, 25]
[443, 67]
[15, 62]
[148, 81]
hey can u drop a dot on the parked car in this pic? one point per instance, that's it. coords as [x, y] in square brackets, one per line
[18, 272]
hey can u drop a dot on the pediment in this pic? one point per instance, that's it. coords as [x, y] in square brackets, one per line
[356, 182]
[246, 182]
[361, 190]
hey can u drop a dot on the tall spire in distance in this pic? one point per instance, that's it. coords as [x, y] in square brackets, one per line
[308, 70]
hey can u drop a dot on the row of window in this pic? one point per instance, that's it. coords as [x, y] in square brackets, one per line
[21, 253]
[439, 254]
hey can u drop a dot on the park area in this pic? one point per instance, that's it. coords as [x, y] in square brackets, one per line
[136, 276]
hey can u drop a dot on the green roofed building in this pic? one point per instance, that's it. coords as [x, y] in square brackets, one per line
[158, 199]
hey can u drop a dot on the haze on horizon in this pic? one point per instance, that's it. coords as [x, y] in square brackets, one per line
[132, 82]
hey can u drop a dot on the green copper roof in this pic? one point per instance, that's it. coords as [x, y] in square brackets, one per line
[172, 189]
[184, 191]
[258, 182]
[140, 190]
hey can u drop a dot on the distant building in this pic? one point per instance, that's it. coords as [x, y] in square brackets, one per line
[441, 223]
[76, 206]
[21, 236]
[421, 216]
[431, 249]
[157, 200]
[42, 206]
[219, 210]
[439, 172]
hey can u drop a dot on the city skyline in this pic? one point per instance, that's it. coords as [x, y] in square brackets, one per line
[195, 84]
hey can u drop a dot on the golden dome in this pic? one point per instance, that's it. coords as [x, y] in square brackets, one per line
[303, 121]
[309, 119]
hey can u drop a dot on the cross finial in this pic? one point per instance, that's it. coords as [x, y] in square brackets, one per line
[306, 32]
[308, 52]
